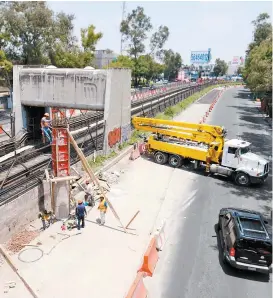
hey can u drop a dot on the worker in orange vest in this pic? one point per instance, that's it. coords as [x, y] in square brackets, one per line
[103, 209]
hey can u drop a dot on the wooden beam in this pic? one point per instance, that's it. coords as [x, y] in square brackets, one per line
[66, 178]
[9, 261]
[92, 176]
[132, 219]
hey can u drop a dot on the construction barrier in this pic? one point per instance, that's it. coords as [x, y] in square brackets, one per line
[160, 236]
[203, 120]
[150, 259]
[137, 289]
[135, 153]
[142, 148]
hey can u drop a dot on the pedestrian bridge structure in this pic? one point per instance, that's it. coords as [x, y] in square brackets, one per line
[38, 89]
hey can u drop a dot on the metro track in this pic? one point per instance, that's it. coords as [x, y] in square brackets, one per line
[24, 180]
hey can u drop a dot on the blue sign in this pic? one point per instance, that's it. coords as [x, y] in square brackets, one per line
[200, 57]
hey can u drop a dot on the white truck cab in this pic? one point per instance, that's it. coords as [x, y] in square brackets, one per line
[248, 167]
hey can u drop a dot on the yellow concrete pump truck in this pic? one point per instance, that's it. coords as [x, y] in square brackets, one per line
[204, 146]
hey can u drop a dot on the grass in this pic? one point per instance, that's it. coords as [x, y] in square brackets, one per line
[168, 114]
[99, 161]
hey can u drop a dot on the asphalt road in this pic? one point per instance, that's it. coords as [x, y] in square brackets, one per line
[190, 265]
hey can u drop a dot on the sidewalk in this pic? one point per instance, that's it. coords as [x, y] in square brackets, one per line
[101, 262]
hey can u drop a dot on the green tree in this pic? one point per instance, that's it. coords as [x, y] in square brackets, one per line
[29, 25]
[262, 30]
[173, 63]
[121, 62]
[149, 68]
[90, 38]
[62, 45]
[158, 41]
[220, 68]
[258, 71]
[240, 70]
[62, 32]
[134, 29]
[258, 65]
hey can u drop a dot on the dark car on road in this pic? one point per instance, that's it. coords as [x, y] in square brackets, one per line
[246, 239]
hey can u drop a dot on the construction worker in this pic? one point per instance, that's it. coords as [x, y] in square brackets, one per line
[46, 216]
[46, 127]
[103, 209]
[80, 213]
[88, 194]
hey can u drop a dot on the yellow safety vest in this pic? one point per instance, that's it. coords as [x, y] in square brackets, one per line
[102, 206]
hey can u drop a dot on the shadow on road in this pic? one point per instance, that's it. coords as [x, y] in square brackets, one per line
[260, 192]
[255, 276]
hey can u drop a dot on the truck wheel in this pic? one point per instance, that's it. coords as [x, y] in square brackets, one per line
[242, 179]
[175, 161]
[161, 158]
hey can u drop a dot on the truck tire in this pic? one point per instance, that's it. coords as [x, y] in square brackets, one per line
[175, 161]
[242, 179]
[161, 157]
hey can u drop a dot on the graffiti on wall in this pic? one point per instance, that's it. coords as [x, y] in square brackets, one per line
[114, 137]
[125, 133]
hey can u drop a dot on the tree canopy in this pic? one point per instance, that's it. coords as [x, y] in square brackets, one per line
[258, 67]
[31, 33]
[135, 29]
[173, 63]
[220, 67]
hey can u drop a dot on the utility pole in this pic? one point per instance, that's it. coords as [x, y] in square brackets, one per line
[122, 19]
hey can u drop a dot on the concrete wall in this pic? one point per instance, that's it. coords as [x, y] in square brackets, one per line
[73, 89]
[23, 210]
[117, 110]
[70, 88]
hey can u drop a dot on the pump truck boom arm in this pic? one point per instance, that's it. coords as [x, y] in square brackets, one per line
[202, 133]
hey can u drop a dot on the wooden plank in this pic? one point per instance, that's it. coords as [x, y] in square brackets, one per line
[92, 176]
[9, 261]
[66, 178]
[132, 220]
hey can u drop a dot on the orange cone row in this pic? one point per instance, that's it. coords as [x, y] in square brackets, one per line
[203, 120]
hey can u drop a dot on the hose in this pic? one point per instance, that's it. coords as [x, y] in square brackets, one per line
[42, 252]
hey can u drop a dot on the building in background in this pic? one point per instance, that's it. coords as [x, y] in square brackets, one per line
[237, 61]
[104, 58]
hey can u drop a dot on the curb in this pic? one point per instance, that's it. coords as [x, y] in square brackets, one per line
[266, 118]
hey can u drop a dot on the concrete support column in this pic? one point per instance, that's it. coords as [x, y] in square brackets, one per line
[117, 109]
[61, 198]
[17, 106]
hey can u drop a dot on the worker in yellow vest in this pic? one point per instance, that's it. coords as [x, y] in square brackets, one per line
[103, 209]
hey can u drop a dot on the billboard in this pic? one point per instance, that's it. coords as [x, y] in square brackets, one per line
[200, 57]
[236, 60]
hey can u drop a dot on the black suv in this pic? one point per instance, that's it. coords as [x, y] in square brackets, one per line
[246, 239]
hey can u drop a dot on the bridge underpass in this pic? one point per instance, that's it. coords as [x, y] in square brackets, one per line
[36, 90]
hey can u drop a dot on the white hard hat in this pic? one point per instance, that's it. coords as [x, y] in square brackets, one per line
[46, 114]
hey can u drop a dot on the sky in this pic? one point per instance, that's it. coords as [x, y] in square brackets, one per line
[225, 27]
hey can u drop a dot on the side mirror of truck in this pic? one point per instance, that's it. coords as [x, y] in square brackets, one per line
[237, 153]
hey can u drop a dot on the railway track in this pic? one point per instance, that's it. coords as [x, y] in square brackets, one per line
[20, 181]
[74, 123]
